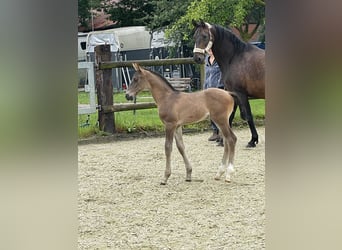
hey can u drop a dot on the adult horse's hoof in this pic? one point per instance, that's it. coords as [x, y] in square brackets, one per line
[188, 180]
[162, 183]
[252, 144]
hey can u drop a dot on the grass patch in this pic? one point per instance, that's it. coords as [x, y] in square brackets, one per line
[147, 119]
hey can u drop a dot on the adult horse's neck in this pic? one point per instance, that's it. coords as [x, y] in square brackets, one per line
[159, 87]
[226, 47]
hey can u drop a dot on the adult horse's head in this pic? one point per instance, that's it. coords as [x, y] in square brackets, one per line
[203, 40]
[138, 82]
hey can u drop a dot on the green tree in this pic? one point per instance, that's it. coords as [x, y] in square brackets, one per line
[177, 15]
[131, 12]
[167, 12]
[83, 12]
[247, 12]
[235, 13]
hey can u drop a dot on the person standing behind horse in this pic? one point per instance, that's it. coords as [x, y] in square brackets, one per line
[213, 80]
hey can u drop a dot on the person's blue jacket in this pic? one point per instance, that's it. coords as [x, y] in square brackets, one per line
[212, 75]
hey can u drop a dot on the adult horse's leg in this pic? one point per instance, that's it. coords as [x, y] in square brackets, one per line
[249, 117]
[181, 149]
[170, 130]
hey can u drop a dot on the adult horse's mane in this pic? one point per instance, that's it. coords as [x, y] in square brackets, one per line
[224, 33]
[163, 79]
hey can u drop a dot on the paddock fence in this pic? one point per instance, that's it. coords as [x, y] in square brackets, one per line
[100, 74]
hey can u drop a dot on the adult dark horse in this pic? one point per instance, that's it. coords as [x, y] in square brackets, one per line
[242, 66]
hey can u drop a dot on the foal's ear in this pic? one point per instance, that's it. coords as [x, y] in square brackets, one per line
[136, 67]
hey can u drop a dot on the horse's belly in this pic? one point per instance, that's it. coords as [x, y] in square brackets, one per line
[183, 114]
[253, 82]
[193, 118]
[192, 115]
[256, 89]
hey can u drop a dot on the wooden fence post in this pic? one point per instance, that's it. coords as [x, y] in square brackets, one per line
[202, 75]
[104, 87]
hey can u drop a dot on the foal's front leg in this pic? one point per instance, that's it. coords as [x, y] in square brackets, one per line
[168, 149]
[181, 149]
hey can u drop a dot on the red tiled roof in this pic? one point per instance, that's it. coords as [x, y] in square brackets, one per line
[101, 20]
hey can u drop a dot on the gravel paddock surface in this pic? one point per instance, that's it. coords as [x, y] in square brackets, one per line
[122, 205]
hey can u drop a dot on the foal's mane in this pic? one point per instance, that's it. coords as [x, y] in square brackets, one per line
[223, 33]
[163, 79]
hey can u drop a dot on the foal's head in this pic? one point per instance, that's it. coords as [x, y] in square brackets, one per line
[138, 83]
[203, 40]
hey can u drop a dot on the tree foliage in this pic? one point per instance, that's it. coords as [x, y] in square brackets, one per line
[167, 12]
[177, 15]
[132, 12]
[247, 12]
[235, 13]
[83, 12]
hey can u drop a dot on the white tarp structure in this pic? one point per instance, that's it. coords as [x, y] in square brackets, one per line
[159, 40]
[124, 38]
[103, 38]
[95, 39]
[133, 38]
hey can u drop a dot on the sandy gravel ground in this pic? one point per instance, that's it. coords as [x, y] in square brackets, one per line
[123, 206]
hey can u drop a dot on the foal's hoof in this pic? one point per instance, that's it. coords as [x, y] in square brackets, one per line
[188, 180]
[163, 183]
[217, 178]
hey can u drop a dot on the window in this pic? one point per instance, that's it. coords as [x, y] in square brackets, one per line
[83, 45]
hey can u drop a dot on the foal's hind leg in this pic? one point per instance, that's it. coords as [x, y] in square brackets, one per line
[230, 141]
[181, 149]
[229, 152]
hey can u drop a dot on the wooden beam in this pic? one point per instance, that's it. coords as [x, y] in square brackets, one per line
[128, 106]
[114, 64]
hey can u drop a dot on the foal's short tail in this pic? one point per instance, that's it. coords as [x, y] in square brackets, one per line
[237, 99]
